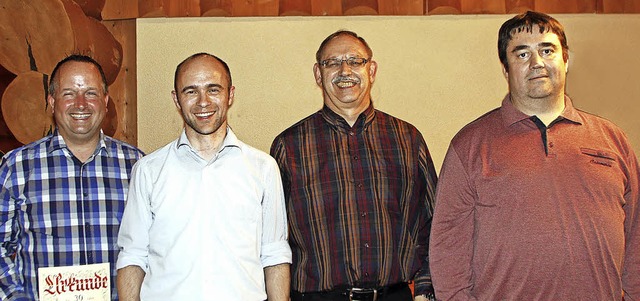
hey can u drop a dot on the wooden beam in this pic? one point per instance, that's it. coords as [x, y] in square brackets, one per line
[182, 8]
[482, 7]
[326, 7]
[443, 7]
[359, 7]
[519, 6]
[215, 8]
[618, 6]
[401, 7]
[151, 8]
[248, 8]
[294, 7]
[565, 6]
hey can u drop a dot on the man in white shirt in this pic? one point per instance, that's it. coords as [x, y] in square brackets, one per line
[205, 216]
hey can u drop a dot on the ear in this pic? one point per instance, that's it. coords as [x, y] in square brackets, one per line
[51, 102]
[317, 74]
[106, 102]
[373, 69]
[566, 66]
[505, 72]
[232, 91]
[175, 99]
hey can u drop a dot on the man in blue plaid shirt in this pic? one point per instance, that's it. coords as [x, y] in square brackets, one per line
[63, 195]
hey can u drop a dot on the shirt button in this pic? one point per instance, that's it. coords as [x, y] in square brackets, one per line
[359, 185]
[363, 214]
[550, 144]
[85, 194]
[366, 245]
[351, 133]
[366, 274]
[355, 157]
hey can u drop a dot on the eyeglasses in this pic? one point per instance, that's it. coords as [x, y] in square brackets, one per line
[353, 62]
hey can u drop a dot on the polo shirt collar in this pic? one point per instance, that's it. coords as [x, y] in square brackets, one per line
[511, 114]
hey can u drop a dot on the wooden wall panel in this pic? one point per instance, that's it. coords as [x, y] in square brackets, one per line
[120, 9]
[124, 9]
[151, 8]
[326, 7]
[518, 6]
[182, 8]
[248, 8]
[294, 8]
[482, 7]
[610, 6]
[123, 92]
[104, 48]
[359, 7]
[565, 6]
[215, 8]
[401, 7]
[443, 7]
[618, 6]
[632, 6]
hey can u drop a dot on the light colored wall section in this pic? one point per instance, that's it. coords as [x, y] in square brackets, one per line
[436, 72]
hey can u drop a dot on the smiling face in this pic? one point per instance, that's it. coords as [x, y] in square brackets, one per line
[536, 66]
[345, 87]
[203, 96]
[79, 102]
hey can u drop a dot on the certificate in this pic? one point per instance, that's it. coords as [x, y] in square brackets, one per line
[75, 283]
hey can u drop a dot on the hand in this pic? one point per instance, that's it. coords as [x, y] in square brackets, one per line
[428, 297]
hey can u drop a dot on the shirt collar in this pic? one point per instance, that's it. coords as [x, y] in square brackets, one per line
[511, 114]
[230, 140]
[57, 143]
[364, 119]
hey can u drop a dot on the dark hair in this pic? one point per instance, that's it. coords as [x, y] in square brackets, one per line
[340, 33]
[191, 57]
[76, 58]
[525, 22]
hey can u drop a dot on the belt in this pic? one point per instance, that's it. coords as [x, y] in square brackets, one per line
[357, 293]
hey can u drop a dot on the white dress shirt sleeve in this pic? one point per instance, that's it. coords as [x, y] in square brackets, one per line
[133, 238]
[275, 246]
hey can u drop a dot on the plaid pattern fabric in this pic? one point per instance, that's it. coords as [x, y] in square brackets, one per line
[58, 211]
[359, 201]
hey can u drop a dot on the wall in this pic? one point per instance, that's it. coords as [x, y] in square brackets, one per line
[437, 72]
